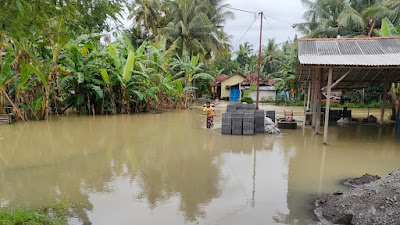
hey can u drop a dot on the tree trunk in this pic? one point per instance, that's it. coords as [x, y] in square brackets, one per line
[45, 106]
[372, 28]
[14, 106]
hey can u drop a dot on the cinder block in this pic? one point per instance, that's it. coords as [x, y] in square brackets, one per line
[237, 132]
[226, 121]
[248, 132]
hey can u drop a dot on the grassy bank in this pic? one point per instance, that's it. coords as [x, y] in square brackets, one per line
[54, 215]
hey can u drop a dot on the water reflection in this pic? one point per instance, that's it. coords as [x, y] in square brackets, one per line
[167, 169]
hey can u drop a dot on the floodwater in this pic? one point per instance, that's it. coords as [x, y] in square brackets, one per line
[168, 169]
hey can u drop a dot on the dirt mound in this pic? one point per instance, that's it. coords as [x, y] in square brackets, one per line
[377, 202]
[365, 179]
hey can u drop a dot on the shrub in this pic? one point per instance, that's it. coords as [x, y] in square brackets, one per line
[300, 104]
[284, 101]
[247, 99]
[358, 105]
[267, 100]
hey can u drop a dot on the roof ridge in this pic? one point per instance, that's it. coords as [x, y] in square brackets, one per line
[333, 39]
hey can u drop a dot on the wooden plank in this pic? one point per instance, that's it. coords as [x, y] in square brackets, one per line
[366, 74]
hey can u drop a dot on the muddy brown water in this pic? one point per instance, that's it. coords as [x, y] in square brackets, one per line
[168, 169]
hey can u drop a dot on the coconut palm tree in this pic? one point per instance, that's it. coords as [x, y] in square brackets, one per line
[244, 53]
[330, 18]
[270, 54]
[146, 14]
[190, 28]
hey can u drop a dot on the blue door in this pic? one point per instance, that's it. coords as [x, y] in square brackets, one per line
[235, 93]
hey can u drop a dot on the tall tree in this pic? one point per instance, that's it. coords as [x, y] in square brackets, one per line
[146, 14]
[191, 29]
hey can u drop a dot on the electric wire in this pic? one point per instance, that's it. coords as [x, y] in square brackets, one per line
[237, 9]
[245, 32]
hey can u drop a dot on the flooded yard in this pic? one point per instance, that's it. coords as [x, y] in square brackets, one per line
[168, 169]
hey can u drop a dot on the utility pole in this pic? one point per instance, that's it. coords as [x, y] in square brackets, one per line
[259, 62]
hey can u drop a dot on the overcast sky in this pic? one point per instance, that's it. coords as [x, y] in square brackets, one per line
[290, 11]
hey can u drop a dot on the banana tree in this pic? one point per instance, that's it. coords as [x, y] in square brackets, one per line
[159, 59]
[388, 29]
[42, 102]
[180, 93]
[5, 78]
[81, 79]
[129, 71]
[191, 69]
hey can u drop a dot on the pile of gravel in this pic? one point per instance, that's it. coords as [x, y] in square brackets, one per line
[377, 202]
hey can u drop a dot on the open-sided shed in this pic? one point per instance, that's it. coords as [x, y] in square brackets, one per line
[346, 63]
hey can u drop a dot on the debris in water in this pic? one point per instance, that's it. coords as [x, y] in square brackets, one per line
[270, 127]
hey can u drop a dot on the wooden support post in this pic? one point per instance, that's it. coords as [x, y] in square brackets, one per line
[308, 95]
[328, 104]
[385, 91]
[214, 92]
[314, 98]
[318, 102]
[305, 100]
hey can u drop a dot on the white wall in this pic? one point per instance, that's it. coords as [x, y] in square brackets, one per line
[268, 95]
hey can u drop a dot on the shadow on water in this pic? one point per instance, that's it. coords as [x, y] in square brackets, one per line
[159, 168]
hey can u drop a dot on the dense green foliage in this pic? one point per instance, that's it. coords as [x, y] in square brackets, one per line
[54, 57]
[347, 18]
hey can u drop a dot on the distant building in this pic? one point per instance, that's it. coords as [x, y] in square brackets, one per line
[267, 91]
[231, 88]
[227, 88]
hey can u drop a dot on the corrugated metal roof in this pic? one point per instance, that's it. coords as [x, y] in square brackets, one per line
[350, 52]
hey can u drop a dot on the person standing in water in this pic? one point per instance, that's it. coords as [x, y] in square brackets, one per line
[210, 113]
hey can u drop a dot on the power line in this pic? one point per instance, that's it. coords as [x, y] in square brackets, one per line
[241, 10]
[245, 32]
[278, 20]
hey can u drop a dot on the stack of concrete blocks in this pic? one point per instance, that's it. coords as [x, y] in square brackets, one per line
[239, 106]
[248, 122]
[226, 123]
[270, 114]
[237, 122]
[249, 107]
[259, 121]
[231, 107]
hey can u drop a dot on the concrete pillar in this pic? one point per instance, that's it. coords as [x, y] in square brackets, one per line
[328, 104]
[385, 91]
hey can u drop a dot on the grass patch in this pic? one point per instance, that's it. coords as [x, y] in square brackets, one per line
[54, 215]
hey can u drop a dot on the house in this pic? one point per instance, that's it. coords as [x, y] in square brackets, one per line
[231, 88]
[216, 86]
[228, 88]
[267, 91]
